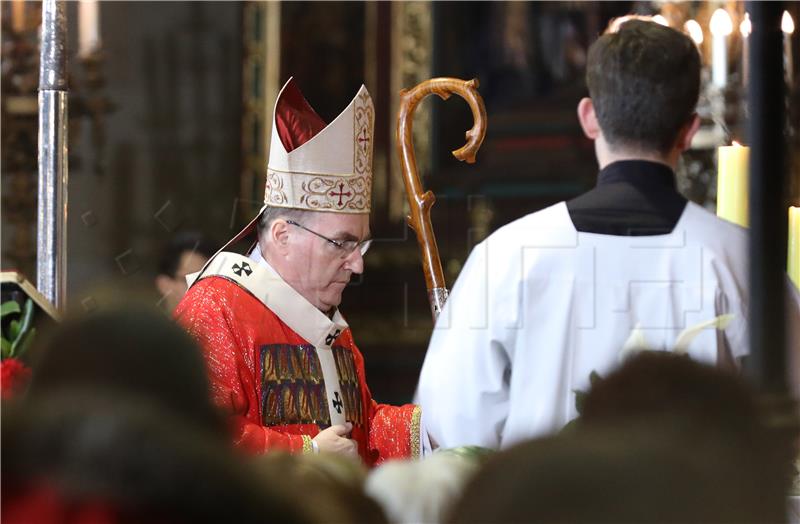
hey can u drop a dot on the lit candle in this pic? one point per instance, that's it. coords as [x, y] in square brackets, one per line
[793, 262]
[732, 180]
[746, 27]
[659, 19]
[694, 30]
[787, 26]
[88, 27]
[18, 16]
[721, 26]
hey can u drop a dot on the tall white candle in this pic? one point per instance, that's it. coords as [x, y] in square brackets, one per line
[721, 26]
[694, 30]
[787, 26]
[88, 27]
[745, 28]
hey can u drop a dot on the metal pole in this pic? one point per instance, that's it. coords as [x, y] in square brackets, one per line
[51, 241]
[768, 204]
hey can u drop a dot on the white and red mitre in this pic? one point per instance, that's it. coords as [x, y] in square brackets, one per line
[320, 167]
[314, 165]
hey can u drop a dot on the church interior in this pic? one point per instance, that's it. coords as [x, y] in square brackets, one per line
[166, 135]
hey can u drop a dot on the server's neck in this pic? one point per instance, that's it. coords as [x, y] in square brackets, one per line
[607, 155]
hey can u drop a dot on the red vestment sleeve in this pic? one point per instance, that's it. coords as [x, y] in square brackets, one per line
[393, 431]
[208, 313]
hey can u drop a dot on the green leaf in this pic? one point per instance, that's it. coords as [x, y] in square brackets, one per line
[475, 454]
[25, 344]
[9, 308]
[27, 319]
[570, 426]
[580, 400]
[5, 348]
[13, 330]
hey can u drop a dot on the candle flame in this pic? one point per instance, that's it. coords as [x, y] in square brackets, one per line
[787, 23]
[736, 144]
[659, 19]
[694, 30]
[615, 23]
[721, 23]
[746, 27]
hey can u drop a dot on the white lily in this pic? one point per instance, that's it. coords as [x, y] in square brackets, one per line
[637, 341]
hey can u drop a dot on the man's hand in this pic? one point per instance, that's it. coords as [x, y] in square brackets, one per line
[334, 440]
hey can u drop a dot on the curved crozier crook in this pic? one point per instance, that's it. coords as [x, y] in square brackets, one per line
[421, 201]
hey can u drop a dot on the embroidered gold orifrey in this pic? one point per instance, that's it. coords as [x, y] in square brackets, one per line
[307, 446]
[293, 387]
[416, 418]
[350, 386]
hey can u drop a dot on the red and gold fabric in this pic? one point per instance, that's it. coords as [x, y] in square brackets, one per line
[270, 379]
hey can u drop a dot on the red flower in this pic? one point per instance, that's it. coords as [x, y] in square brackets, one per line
[14, 376]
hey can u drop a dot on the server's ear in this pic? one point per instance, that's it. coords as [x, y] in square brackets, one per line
[588, 118]
[687, 133]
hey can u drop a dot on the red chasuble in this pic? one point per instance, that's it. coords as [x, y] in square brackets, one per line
[270, 379]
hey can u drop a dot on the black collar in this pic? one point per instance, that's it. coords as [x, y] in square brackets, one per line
[645, 175]
[632, 198]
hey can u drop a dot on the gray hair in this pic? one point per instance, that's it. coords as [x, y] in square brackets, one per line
[272, 213]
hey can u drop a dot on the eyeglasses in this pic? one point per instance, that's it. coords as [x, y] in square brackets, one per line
[346, 246]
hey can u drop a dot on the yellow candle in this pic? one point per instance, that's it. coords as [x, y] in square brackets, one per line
[732, 183]
[18, 17]
[793, 262]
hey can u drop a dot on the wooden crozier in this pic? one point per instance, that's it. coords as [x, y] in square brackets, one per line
[420, 201]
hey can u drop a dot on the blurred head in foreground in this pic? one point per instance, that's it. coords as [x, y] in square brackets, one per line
[662, 439]
[332, 485]
[135, 351]
[637, 473]
[81, 457]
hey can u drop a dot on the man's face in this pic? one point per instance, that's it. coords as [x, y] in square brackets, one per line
[317, 269]
[173, 288]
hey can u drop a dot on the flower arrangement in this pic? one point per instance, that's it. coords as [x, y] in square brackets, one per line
[18, 334]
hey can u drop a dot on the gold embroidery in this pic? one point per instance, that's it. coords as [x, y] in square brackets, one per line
[334, 193]
[318, 407]
[341, 367]
[288, 407]
[295, 365]
[416, 418]
[363, 124]
[273, 191]
[293, 391]
[270, 375]
[348, 193]
[307, 446]
[293, 388]
[349, 383]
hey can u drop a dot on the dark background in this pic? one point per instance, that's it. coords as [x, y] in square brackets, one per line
[164, 155]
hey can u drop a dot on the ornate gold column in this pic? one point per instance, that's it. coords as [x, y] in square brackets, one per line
[373, 64]
[411, 63]
[260, 85]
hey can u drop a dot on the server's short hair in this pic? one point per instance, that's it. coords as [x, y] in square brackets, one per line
[644, 81]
